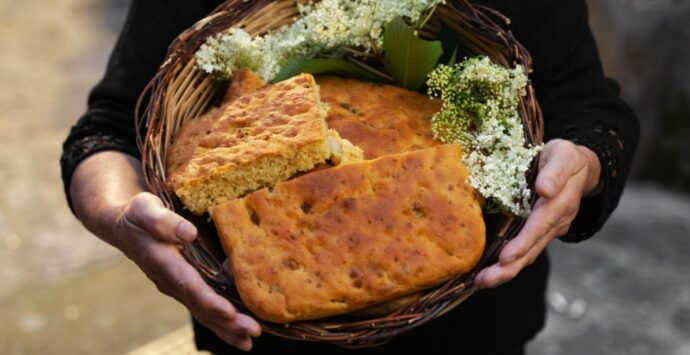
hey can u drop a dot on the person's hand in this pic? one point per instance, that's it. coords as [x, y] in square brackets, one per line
[146, 232]
[567, 172]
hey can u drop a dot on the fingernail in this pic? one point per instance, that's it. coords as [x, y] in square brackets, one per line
[186, 231]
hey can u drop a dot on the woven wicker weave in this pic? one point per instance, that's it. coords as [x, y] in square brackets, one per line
[180, 91]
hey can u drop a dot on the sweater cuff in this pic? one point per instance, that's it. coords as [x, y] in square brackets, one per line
[595, 210]
[75, 151]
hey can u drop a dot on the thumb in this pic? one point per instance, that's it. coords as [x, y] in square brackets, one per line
[147, 212]
[558, 163]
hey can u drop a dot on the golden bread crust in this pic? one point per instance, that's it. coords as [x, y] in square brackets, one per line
[380, 119]
[243, 82]
[257, 140]
[345, 238]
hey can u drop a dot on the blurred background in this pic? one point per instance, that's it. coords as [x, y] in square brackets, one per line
[626, 291]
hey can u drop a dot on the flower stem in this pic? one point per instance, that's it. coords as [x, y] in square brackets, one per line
[359, 53]
[426, 18]
[370, 69]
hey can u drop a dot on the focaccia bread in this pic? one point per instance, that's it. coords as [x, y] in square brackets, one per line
[380, 119]
[255, 141]
[345, 238]
[243, 82]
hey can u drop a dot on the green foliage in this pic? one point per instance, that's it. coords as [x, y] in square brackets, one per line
[409, 59]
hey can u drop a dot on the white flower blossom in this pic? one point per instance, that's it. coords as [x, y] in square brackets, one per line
[480, 111]
[324, 27]
[227, 52]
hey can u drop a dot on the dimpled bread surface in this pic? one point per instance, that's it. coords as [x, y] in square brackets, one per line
[349, 237]
[380, 119]
[255, 141]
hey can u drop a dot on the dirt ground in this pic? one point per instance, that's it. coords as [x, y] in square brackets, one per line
[64, 291]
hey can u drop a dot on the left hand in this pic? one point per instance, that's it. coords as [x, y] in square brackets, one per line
[567, 172]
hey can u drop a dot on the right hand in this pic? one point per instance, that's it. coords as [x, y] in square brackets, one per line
[146, 232]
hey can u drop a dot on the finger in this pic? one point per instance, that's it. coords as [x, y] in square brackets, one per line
[249, 323]
[242, 342]
[176, 278]
[534, 253]
[148, 212]
[559, 161]
[218, 312]
[239, 340]
[233, 331]
[160, 262]
[516, 253]
[241, 325]
[206, 303]
[542, 220]
[549, 218]
[186, 282]
[164, 264]
[499, 274]
[496, 275]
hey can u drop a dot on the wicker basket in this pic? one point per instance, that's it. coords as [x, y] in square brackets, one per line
[180, 92]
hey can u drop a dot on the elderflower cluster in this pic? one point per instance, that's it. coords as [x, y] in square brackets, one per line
[480, 111]
[358, 23]
[227, 52]
[326, 26]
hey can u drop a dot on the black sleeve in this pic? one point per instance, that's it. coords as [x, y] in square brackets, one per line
[579, 102]
[108, 123]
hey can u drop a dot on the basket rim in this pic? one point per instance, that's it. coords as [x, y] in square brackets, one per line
[151, 121]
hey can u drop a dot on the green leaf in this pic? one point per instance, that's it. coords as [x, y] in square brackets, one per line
[409, 59]
[325, 66]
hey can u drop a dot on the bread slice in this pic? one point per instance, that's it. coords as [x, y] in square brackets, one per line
[345, 238]
[381, 119]
[255, 141]
[246, 82]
